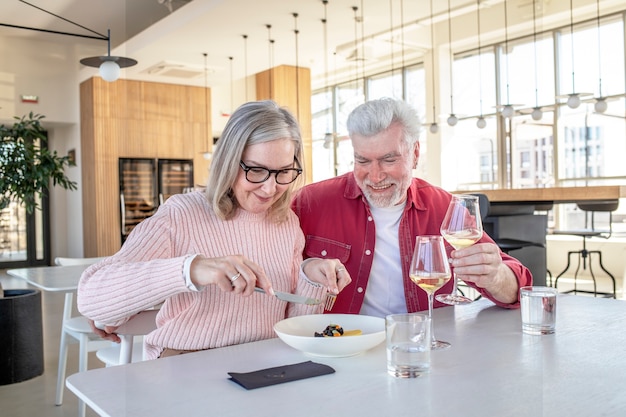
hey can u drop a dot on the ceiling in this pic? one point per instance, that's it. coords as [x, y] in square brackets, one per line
[168, 37]
[169, 46]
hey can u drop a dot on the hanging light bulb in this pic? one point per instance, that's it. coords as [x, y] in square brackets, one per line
[452, 120]
[481, 123]
[536, 114]
[108, 66]
[507, 111]
[573, 101]
[328, 140]
[601, 105]
[109, 71]
[434, 128]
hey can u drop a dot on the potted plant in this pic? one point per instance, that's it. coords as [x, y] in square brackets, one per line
[27, 166]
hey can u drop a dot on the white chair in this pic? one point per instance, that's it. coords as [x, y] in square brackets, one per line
[131, 333]
[75, 330]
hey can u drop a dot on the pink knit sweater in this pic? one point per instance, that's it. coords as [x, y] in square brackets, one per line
[148, 270]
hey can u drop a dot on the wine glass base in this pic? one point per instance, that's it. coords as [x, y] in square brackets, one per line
[452, 299]
[439, 345]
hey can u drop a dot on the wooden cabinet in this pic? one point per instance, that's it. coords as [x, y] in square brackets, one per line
[133, 119]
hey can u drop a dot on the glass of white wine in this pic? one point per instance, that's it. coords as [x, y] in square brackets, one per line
[430, 270]
[461, 228]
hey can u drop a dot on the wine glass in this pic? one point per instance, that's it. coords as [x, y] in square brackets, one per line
[430, 270]
[461, 227]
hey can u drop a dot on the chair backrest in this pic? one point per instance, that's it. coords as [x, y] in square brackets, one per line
[61, 261]
[483, 205]
[139, 325]
[593, 208]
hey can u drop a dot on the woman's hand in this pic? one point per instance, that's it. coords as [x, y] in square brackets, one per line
[233, 273]
[107, 333]
[330, 273]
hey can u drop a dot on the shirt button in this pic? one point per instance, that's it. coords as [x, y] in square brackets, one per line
[369, 218]
[368, 252]
[324, 253]
[359, 290]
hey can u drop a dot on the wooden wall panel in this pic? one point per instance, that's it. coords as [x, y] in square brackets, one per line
[133, 119]
[298, 100]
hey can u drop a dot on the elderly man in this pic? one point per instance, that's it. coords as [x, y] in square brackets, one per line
[368, 219]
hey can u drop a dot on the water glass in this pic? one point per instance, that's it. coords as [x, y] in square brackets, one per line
[538, 305]
[408, 344]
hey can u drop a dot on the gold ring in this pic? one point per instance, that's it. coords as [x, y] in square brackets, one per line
[235, 277]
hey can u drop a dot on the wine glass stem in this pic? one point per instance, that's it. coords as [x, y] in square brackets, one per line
[431, 297]
[454, 291]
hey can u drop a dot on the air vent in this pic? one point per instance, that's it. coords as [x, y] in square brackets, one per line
[178, 70]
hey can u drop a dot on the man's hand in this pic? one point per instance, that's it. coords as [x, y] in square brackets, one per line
[482, 264]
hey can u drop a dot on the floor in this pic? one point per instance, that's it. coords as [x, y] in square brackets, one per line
[35, 397]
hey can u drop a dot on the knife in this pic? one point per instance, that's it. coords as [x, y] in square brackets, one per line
[292, 298]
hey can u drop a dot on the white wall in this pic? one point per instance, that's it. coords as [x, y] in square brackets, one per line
[43, 69]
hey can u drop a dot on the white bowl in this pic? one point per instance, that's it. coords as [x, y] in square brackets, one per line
[299, 333]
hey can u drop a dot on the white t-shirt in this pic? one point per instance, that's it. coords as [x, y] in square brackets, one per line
[385, 289]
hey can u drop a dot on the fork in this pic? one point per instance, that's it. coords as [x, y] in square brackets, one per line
[329, 302]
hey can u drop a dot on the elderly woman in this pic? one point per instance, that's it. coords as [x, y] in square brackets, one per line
[203, 253]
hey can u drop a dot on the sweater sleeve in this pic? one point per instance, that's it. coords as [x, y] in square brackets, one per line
[144, 273]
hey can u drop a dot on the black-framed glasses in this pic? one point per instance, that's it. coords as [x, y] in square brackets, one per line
[284, 176]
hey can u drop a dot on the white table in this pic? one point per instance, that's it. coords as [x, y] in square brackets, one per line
[51, 278]
[492, 369]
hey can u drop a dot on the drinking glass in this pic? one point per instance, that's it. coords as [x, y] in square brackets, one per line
[430, 270]
[461, 227]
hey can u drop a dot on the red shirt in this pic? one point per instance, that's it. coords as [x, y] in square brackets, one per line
[337, 223]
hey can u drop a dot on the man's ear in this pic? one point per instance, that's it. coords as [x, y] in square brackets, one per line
[416, 154]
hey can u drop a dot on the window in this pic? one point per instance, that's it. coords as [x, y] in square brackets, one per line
[336, 157]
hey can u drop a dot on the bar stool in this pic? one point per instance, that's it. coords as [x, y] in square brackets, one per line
[590, 209]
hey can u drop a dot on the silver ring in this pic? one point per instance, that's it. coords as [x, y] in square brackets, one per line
[340, 269]
[235, 277]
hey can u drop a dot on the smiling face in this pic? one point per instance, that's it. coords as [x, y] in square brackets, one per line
[383, 165]
[276, 154]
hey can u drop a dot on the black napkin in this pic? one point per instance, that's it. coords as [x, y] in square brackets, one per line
[280, 374]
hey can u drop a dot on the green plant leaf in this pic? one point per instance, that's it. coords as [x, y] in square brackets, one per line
[27, 167]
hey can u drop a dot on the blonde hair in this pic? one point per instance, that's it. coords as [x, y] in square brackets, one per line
[252, 123]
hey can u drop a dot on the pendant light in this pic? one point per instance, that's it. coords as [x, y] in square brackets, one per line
[434, 128]
[363, 46]
[230, 109]
[452, 119]
[206, 154]
[600, 105]
[296, 32]
[329, 136]
[245, 63]
[507, 110]
[108, 65]
[481, 123]
[270, 53]
[537, 113]
[573, 98]
[356, 49]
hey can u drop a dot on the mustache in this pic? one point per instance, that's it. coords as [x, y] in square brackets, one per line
[378, 184]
